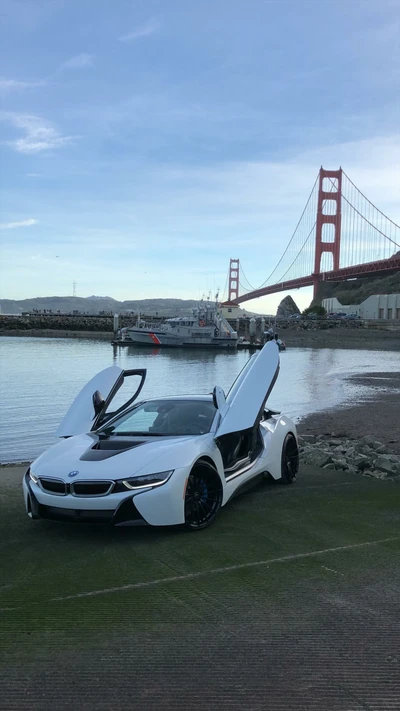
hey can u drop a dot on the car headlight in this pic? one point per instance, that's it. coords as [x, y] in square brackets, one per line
[32, 476]
[144, 482]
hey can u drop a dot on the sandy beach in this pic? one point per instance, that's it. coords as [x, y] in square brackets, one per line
[356, 338]
[377, 415]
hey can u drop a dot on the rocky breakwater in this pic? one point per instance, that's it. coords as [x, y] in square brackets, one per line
[366, 456]
[61, 322]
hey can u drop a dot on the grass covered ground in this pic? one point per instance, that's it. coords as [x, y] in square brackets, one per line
[290, 600]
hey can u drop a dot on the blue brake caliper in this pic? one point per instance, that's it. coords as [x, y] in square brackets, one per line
[204, 494]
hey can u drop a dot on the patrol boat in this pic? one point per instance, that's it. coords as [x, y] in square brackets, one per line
[205, 328]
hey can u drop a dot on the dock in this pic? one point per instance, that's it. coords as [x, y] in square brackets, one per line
[240, 346]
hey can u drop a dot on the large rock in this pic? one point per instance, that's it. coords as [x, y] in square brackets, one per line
[375, 474]
[340, 463]
[388, 463]
[307, 439]
[318, 458]
[287, 308]
[361, 461]
[373, 443]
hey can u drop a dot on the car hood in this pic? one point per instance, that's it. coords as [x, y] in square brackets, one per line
[70, 455]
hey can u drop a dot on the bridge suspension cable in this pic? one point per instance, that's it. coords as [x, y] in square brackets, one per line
[364, 233]
[311, 195]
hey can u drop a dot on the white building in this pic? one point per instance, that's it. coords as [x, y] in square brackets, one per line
[379, 306]
[230, 310]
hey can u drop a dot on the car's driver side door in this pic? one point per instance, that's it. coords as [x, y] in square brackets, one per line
[91, 407]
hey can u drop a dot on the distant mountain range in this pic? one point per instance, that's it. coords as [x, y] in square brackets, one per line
[95, 304]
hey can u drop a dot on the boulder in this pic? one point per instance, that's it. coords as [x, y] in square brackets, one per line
[307, 439]
[373, 444]
[340, 463]
[388, 463]
[375, 474]
[361, 461]
[318, 458]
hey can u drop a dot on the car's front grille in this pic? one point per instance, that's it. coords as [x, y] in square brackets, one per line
[91, 488]
[76, 488]
[53, 486]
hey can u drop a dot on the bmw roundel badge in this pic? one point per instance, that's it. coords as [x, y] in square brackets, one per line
[74, 473]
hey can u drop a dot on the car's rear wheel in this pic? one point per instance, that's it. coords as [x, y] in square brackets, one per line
[290, 460]
[203, 496]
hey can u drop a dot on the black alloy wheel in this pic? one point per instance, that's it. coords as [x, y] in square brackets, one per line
[290, 460]
[203, 496]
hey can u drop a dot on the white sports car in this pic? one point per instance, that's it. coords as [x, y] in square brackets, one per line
[173, 460]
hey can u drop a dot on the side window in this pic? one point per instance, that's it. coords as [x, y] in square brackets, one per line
[127, 389]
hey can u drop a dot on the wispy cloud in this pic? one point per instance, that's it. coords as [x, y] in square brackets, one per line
[21, 223]
[145, 30]
[80, 61]
[39, 135]
[7, 85]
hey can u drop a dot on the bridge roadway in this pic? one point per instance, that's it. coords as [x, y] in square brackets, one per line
[360, 270]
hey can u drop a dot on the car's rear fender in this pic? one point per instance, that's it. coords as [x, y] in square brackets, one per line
[273, 454]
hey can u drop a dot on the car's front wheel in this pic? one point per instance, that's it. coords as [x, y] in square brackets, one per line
[290, 460]
[203, 496]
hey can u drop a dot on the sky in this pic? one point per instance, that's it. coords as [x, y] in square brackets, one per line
[143, 144]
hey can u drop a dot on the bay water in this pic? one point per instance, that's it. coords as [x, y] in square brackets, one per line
[40, 377]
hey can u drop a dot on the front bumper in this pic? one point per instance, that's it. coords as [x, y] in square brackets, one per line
[161, 506]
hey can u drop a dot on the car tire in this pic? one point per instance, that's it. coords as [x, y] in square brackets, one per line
[289, 460]
[203, 496]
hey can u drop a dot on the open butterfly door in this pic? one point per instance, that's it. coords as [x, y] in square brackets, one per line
[91, 407]
[244, 404]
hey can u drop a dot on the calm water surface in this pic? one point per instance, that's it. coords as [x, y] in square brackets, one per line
[40, 377]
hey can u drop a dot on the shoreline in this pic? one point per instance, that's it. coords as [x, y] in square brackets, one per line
[377, 415]
[349, 339]
[354, 339]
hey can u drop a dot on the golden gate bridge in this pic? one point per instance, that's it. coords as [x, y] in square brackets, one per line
[340, 235]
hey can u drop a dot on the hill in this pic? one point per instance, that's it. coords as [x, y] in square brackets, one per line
[92, 305]
[356, 291]
[95, 304]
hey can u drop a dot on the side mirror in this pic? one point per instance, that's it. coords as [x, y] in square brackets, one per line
[98, 402]
[218, 398]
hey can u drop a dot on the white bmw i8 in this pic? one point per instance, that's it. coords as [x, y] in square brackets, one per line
[166, 461]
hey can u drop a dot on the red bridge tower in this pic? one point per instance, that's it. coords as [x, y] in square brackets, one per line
[323, 218]
[233, 286]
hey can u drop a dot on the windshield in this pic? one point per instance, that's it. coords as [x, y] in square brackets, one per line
[165, 417]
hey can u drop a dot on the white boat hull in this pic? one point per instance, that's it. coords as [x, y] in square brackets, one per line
[158, 338]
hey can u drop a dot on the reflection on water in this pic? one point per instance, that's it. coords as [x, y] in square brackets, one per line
[40, 377]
